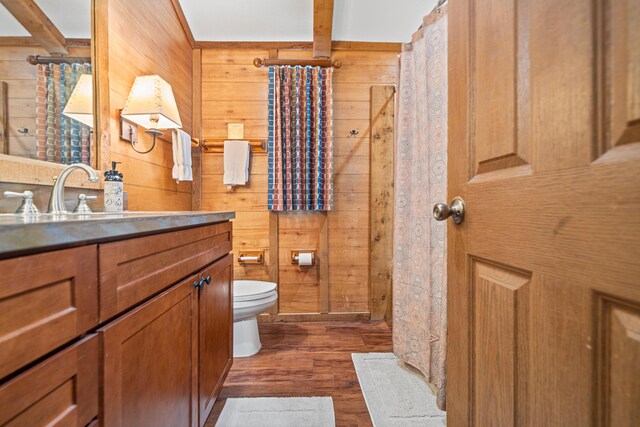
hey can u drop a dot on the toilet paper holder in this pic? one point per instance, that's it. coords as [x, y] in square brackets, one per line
[296, 254]
[251, 257]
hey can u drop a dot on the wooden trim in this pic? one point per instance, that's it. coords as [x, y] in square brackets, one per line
[313, 317]
[196, 129]
[323, 260]
[336, 45]
[17, 41]
[374, 46]
[30, 41]
[101, 88]
[253, 45]
[34, 20]
[322, 28]
[274, 259]
[266, 62]
[30, 171]
[381, 201]
[4, 118]
[183, 22]
[86, 43]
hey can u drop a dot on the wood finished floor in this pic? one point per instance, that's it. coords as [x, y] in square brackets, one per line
[308, 359]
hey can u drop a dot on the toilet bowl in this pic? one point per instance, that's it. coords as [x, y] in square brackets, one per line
[250, 298]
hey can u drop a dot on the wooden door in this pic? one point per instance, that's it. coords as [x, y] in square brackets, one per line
[148, 360]
[544, 271]
[215, 320]
[60, 391]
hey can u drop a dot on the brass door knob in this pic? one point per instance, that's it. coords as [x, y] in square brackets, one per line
[456, 210]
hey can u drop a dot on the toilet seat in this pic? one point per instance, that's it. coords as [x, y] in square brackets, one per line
[251, 290]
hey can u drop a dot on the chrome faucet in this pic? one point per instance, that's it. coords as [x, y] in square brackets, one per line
[56, 201]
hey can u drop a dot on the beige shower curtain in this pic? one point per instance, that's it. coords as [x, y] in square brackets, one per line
[419, 274]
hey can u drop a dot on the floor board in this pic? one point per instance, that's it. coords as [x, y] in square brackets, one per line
[308, 359]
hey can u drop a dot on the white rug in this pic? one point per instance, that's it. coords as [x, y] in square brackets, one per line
[395, 397]
[278, 412]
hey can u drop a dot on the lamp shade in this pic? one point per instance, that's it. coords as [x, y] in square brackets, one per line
[151, 104]
[80, 104]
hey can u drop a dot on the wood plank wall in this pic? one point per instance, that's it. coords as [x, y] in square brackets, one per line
[233, 90]
[21, 82]
[146, 37]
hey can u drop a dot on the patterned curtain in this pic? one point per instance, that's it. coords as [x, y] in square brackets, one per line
[300, 143]
[419, 274]
[59, 138]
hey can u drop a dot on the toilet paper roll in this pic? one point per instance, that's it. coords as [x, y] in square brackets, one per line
[305, 258]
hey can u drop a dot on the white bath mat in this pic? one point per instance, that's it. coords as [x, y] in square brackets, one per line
[395, 397]
[278, 412]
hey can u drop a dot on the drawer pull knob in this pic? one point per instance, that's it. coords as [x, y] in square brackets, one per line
[208, 280]
[197, 285]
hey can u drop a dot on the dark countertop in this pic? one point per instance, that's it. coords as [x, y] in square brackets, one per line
[23, 235]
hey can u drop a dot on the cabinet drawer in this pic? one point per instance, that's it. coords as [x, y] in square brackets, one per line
[134, 269]
[46, 300]
[60, 391]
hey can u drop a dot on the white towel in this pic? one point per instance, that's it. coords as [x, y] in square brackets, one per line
[181, 156]
[236, 163]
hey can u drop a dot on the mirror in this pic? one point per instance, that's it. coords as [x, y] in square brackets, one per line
[46, 84]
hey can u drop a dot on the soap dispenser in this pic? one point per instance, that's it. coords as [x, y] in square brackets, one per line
[113, 190]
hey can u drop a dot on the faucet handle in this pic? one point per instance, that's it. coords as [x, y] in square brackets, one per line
[27, 207]
[82, 206]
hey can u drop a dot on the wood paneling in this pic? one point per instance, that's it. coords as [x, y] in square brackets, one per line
[235, 91]
[382, 154]
[135, 47]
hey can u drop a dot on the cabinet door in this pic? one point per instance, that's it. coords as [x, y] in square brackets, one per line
[215, 311]
[60, 391]
[148, 361]
[46, 300]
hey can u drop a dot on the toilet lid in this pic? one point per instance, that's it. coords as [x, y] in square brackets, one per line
[247, 290]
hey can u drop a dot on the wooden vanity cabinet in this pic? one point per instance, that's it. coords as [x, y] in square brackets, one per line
[215, 321]
[135, 332]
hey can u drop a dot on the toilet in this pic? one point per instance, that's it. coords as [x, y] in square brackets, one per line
[250, 298]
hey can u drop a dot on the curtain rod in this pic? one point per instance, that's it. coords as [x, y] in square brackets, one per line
[335, 63]
[37, 59]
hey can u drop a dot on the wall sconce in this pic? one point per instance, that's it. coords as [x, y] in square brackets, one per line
[151, 104]
[80, 104]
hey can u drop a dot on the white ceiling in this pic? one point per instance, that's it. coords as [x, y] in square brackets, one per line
[256, 20]
[73, 19]
[292, 20]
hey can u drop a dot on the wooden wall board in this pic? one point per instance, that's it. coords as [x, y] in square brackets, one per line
[235, 91]
[132, 34]
[382, 160]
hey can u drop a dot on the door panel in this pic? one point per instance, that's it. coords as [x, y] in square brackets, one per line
[544, 278]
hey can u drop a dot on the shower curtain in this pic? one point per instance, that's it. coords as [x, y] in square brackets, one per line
[59, 138]
[419, 273]
[300, 142]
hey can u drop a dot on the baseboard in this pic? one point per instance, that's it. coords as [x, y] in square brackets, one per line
[313, 317]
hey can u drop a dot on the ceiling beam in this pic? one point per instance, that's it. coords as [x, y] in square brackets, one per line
[38, 24]
[322, 28]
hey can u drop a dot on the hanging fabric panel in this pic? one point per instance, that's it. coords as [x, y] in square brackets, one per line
[59, 138]
[419, 273]
[300, 143]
